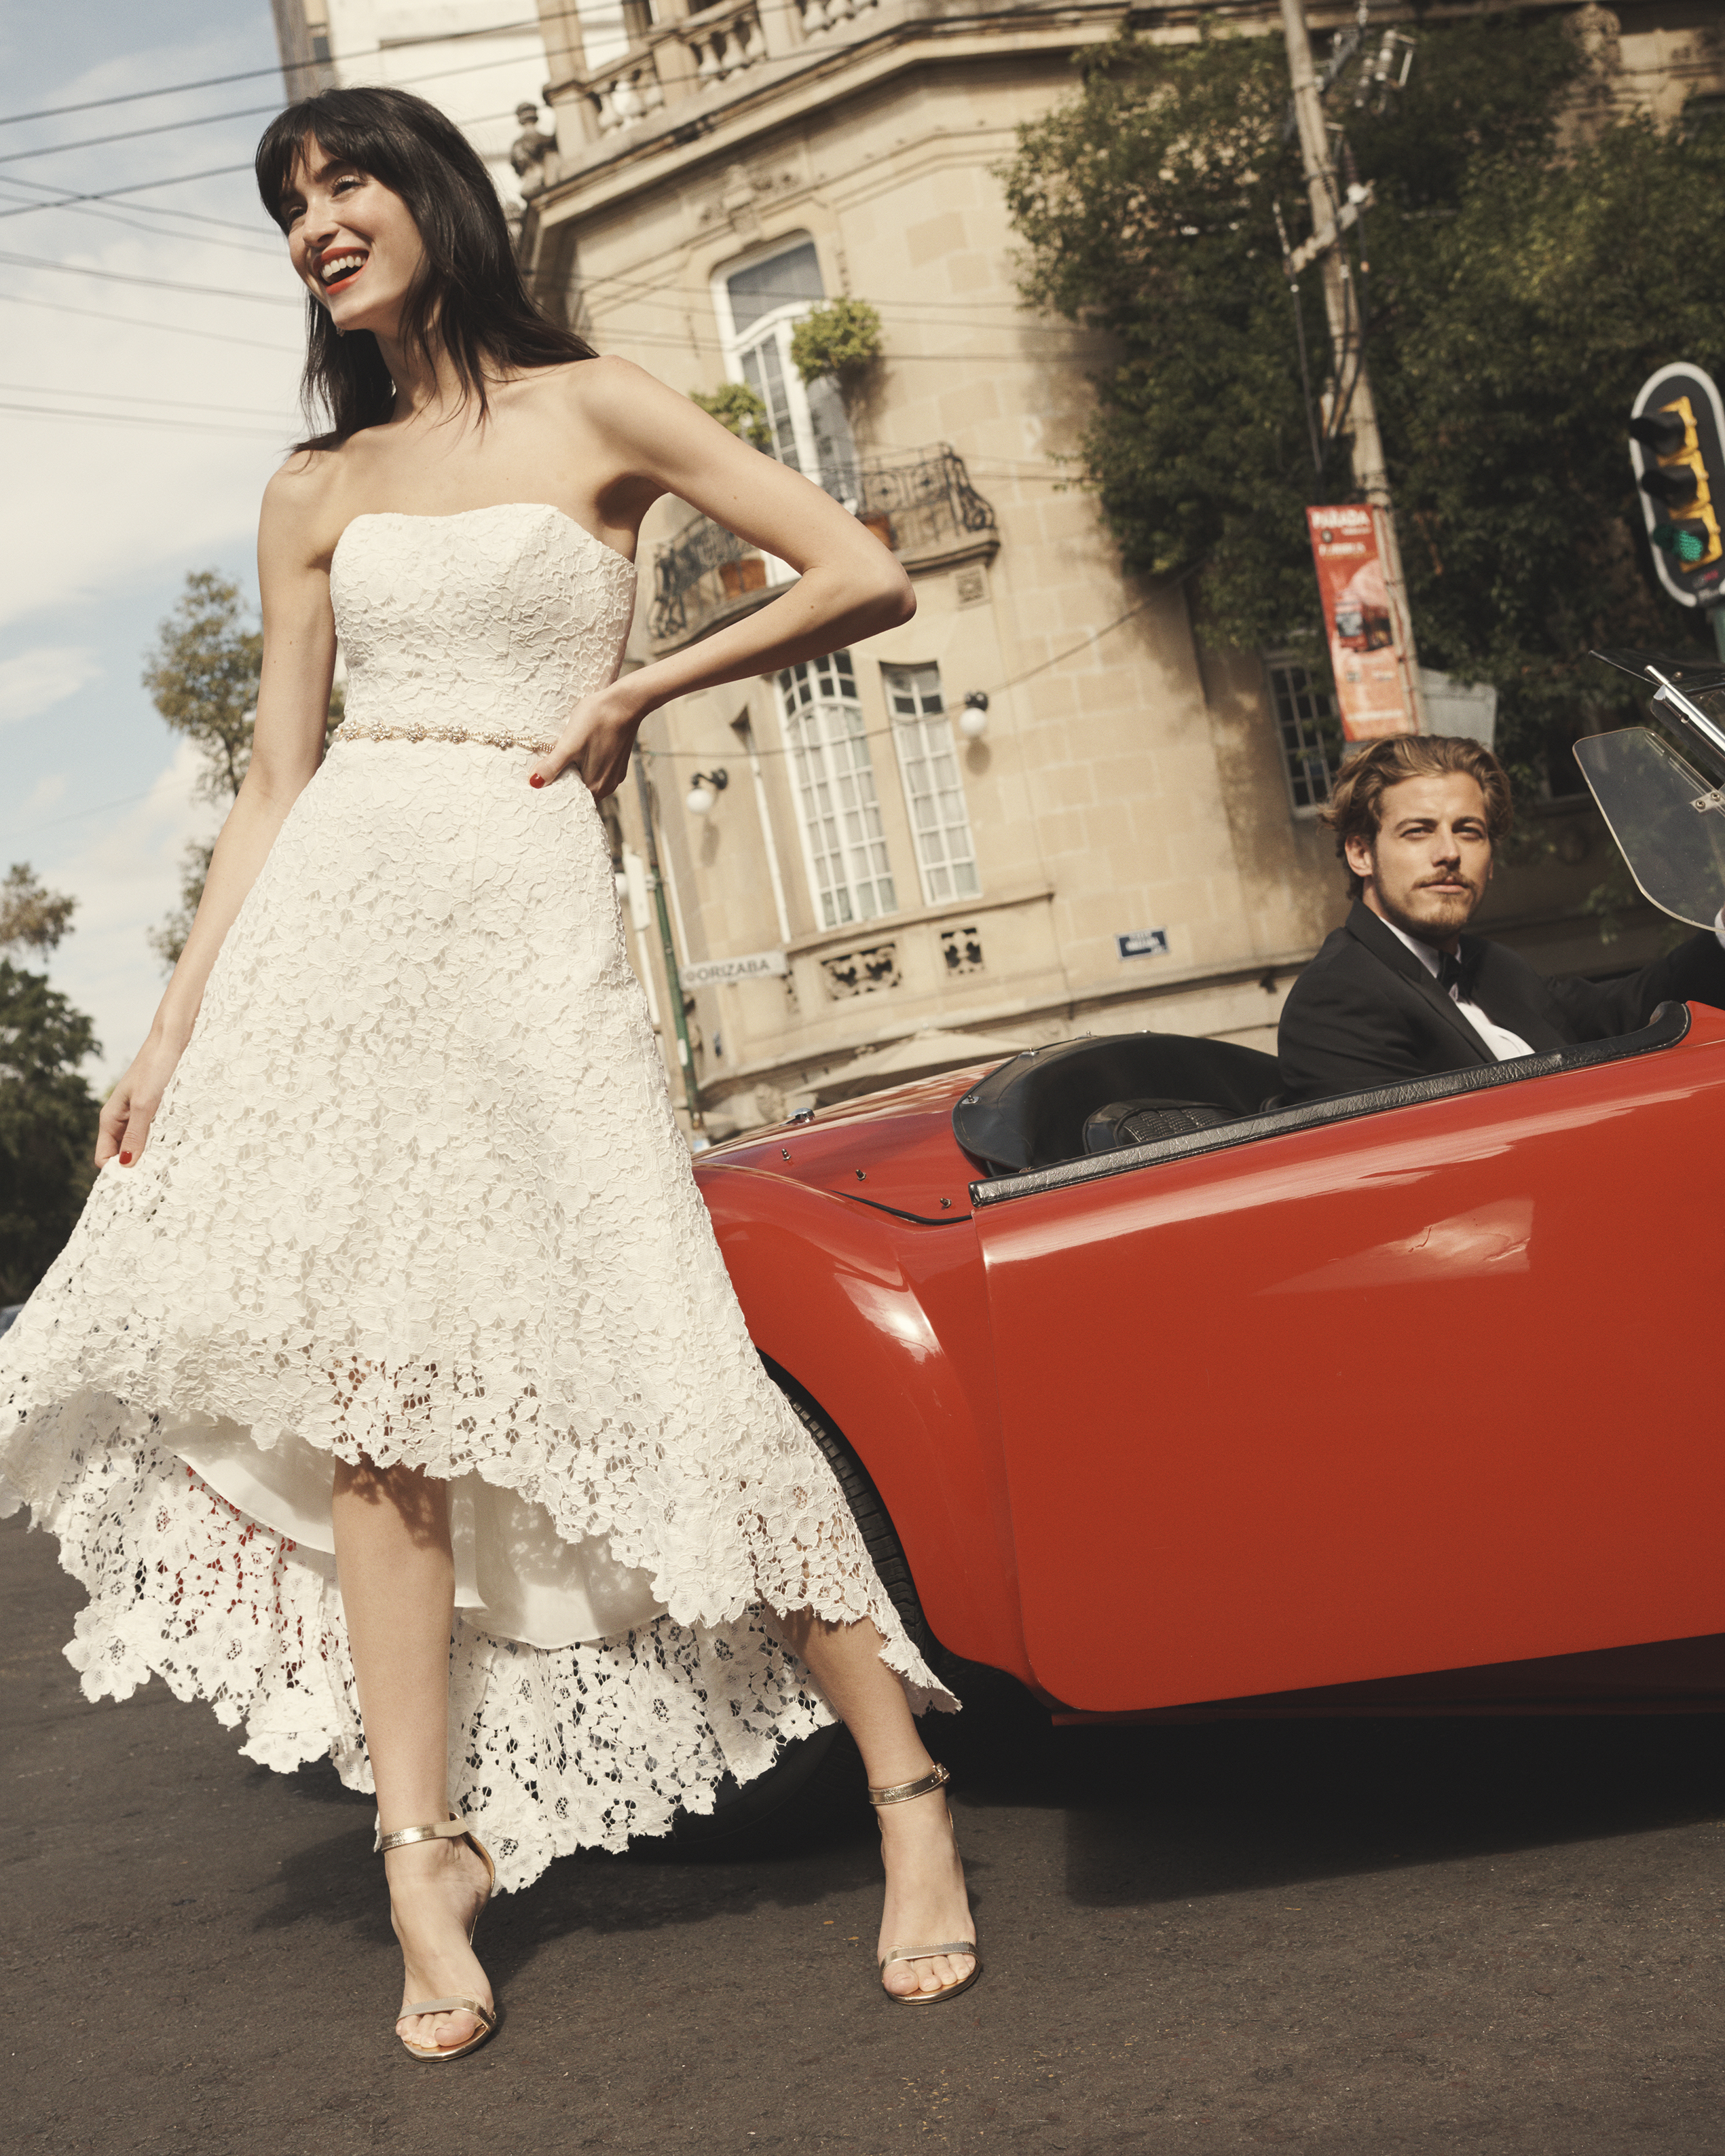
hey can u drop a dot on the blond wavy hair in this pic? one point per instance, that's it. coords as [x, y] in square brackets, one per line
[1356, 803]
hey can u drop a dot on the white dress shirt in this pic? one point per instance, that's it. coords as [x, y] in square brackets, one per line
[1502, 1043]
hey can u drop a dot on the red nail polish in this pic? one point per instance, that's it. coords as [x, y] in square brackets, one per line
[126, 1160]
[536, 780]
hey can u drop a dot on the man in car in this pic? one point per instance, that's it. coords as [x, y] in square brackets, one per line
[1399, 991]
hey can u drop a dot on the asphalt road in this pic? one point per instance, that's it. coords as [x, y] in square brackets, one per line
[1336, 1937]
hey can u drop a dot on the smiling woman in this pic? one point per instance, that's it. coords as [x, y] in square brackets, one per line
[414, 225]
[392, 1393]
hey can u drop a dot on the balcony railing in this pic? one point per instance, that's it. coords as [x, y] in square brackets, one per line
[918, 502]
[675, 60]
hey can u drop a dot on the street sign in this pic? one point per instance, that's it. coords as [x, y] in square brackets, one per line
[757, 966]
[1366, 653]
[1142, 943]
[1677, 448]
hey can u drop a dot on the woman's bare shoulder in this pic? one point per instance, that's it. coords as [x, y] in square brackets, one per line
[301, 502]
[605, 389]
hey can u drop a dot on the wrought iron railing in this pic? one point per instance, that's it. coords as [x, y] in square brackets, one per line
[918, 502]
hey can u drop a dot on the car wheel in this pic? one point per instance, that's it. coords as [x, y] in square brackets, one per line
[812, 1771]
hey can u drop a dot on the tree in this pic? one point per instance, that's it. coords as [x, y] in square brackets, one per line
[1532, 258]
[48, 1126]
[202, 677]
[47, 1114]
[32, 918]
[739, 408]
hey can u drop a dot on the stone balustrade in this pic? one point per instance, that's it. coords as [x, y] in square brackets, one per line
[675, 60]
[818, 16]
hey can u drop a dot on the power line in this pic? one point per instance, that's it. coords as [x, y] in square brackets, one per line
[62, 201]
[132, 322]
[279, 67]
[998, 689]
[255, 111]
[244, 112]
[128, 419]
[155, 231]
[133, 187]
[130, 397]
[156, 284]
[135, 134]
[672, 299]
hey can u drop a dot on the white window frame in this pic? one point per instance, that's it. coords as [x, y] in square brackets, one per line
[940, 814]
[838, 815]
[1309, 742]
[775, 331]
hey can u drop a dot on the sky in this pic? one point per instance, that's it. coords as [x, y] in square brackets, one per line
[182, 403]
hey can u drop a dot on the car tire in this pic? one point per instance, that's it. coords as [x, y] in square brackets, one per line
[813, 1773]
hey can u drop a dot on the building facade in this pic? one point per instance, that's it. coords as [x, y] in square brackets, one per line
[483, 61]
[1040, 807]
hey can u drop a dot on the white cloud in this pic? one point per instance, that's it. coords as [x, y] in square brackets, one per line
[33, 682]
[125, 878]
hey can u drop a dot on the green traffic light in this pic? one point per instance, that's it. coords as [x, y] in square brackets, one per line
[1685, 547]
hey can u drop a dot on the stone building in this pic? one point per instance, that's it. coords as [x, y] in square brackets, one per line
[1041, 807]
[483, 61]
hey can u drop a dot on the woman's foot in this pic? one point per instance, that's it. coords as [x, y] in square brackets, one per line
[436, 1892]
[926, 1901]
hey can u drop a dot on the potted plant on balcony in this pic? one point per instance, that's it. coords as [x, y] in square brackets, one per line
[735, 406]
[739, 408]
[841, 342]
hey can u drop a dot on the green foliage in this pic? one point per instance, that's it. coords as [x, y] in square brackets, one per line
[32, 916]
[739, 408]
[1532, 258]
[48, 1126]
[841, 339]
[202, 677]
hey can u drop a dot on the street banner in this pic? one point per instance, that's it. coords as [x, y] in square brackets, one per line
[1365, 653]
[757, 966]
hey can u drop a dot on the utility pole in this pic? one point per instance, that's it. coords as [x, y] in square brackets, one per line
[1330, 216]
[674, 979]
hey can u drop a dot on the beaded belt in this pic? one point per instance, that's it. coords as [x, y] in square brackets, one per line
[370, 730]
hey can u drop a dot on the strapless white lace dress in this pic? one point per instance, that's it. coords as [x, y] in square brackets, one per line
[416, 1192]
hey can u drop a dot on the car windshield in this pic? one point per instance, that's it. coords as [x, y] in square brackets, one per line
[1649, 796]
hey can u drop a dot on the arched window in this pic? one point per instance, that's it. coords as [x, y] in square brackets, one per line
[759, 307]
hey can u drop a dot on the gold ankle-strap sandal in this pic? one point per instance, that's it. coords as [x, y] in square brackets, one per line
[903, 1793]
[486, 2016]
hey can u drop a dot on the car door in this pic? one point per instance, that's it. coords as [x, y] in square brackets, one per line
[1430, 1388]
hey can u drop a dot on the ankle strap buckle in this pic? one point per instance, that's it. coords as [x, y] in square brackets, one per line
[405, 1837]
[901, 1793]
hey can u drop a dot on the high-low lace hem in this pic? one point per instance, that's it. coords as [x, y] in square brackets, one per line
[415, 1194]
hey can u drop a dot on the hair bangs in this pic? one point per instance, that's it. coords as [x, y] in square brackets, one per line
[469, 301]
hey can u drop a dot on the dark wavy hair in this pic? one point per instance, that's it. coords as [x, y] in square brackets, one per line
[470, 298]
[1356, 805]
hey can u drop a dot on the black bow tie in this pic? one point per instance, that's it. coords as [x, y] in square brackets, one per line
[1453, 975]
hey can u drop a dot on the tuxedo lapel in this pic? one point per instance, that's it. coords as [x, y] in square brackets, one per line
[1365, 928]
[1503, 998]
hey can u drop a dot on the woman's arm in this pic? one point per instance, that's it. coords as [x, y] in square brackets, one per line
[287, 742]
[848, 585]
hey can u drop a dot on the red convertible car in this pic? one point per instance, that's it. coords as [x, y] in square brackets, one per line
[1169, 1401]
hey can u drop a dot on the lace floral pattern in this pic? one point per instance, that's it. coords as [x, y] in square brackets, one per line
[416, 1192]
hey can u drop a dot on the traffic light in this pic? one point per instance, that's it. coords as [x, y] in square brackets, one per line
[1677, 448]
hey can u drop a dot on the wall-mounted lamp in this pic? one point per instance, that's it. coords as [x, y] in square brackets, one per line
[704, 790]
[973, 720]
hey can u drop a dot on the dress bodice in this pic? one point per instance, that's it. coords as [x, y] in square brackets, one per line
[504, 616]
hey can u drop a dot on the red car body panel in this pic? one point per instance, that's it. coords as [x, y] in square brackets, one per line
[1415, 1392]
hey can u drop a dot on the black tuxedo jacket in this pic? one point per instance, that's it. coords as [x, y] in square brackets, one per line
[1365, 1012]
